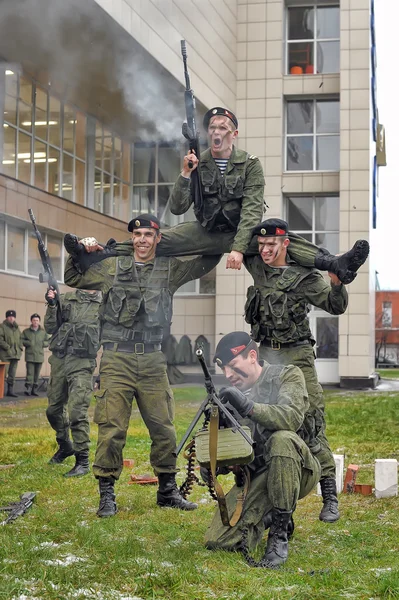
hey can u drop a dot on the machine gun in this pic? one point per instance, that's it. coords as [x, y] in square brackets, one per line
[17, 509]
[190, 132]
[48, 273]
[231, 445]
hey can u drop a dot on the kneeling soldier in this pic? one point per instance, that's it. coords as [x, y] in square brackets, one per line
[272, 401]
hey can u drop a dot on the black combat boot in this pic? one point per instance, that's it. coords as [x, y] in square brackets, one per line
[329, 512]
[267, 520]
[277, 542]
[107, 506]
[27, 389]
[65, 449]
[169, 495]
[81, 466]
[346, 265]
[10, 391]
[34, 392]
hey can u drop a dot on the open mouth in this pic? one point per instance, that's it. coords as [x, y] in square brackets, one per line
[217, 142]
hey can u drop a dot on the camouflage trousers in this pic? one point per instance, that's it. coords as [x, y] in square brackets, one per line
[125, 377]
[70, 391]
[33, 372]
[290, 472]
[11, 370]
[303, 357]
[192, 239]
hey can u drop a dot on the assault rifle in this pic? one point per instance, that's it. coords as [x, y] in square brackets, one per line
[17, 509]
[212, 400]
[48, 275]
[190, 132]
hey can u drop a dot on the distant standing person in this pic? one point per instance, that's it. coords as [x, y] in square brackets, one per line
[10, 349]
[35, 339]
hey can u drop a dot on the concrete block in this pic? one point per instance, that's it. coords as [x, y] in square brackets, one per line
[386, 477]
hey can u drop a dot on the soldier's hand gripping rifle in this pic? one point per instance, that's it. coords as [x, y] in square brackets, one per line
[48, 273]
[17, 509]
[190, 132]
[212, 400]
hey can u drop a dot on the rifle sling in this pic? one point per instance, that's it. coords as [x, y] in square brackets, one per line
[213, 451]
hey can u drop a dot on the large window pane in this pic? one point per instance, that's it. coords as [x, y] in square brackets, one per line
[300, 23]
[327, 337]
[11, 83]
[54, 171]
[300, 117]
[99, 146]
[40, 165]
[301, 55]
[327, 213]
[118, 157]
[143, 200]
[107, 194]
[69, 129]
[328, 240]
[328, 57]
[80, 136]
[34, 262]
[54, 246]
[108, 151]
[327, 153]
[327, 22]
[24, 157]
[10, 109]
[67, 177]
[327, 116]
[9, 151]
[126, 162]
[164, 213]
[55, 122]
[80, 181]
[168, 164]
[25, 104]
[41, 121]
[2, 245]
[144, 164]
[98, 190]
[15, 248]
[300, 153]
[300, 213]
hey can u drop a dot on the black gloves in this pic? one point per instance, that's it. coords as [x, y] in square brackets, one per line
[237, 399]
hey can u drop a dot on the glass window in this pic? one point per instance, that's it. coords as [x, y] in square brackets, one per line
[326, 213]
[300, 213]
[168, 164]
[387, 314]
[41, 121]
[69, 129]
[327, 337]
[54, 174]
[9, 151]
[10, 109]
[54, 122]
[80, 182]
[34, 262]
[67, 177]
[144, 164]
[25, 104]
[312, 135]
[15, 248]
[54, 247]
[108, 151]
[40, 164]
[24, 157]
[81, 135]
[316, 218]
[143, 200]
[313, 39]
[2, 245]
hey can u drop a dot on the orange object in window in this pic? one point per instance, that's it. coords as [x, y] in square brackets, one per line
[309, 69]
[296, 70]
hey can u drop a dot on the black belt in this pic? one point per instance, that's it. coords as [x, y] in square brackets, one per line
[138, 348]
[276, 345]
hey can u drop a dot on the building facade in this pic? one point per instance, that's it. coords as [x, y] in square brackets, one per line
[91, 98]
[387, 327]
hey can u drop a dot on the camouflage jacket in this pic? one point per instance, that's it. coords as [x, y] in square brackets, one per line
[35, 341]
[278, 302]
[10, 341]
[79, 333]
[233, 201]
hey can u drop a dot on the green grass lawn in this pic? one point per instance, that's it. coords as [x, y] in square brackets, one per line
[60, 549]
[388, 373]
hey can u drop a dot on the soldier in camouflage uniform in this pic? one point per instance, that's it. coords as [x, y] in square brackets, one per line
[35, 339]
[272, 401]
[233, 184]
[276, 309]
[138, 290]
[74, 346]
[10, 349]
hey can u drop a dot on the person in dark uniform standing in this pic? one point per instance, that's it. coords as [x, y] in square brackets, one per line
[138, 290]
[10, 349]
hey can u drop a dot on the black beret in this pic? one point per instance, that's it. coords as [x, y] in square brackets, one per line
[223, 112]
[271, 228]
[230, 346]
[145, 220]
[35, 316]
[11, 313]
